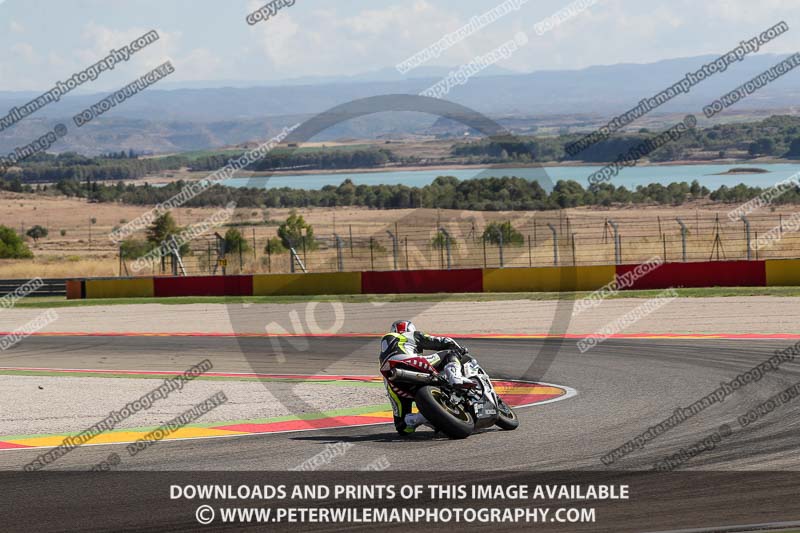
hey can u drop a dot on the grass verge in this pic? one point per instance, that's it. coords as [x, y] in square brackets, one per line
[55, 301]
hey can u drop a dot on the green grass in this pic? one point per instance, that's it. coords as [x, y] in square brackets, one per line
[55, 301]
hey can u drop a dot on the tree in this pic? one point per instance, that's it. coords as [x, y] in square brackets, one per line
[762, 146]
[36, 232]
[162, 229]
[296, 232]
[12, 246]
[234, 241]
[274, 246]
[439, 241]
[794, 148]
[131, 248]
[695, 189]
[511, 237]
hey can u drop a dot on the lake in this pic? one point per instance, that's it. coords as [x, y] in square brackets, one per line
[630, 177]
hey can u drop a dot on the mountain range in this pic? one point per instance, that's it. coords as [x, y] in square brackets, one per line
[171, 117]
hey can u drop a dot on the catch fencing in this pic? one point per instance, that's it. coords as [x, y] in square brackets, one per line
[550, 238]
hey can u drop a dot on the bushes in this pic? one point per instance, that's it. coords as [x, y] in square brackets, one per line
[131, 248]
[12, 246]
[234, 241]
[37, 232]
[511, 237]
[297, 233]
[446, 192]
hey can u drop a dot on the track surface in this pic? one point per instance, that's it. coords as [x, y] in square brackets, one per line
[624, 387]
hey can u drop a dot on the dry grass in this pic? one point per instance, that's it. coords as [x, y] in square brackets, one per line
[72, 266]
[85, 249]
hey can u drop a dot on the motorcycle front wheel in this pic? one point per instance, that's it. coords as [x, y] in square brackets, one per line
[506, 417]
[450, 418]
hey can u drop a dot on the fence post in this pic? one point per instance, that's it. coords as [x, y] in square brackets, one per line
[500, 239]
[339, 258]
[617, 254]
[500, 246]
[574, 258]
[684, 231]
[371, 255]
[756, 245]
[483, 238]
[407, 267]
[530, 258]
[394, 247]
[747, 234]
[555, 243]
[446, 244]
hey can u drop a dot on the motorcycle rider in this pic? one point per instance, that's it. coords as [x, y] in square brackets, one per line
[405, 342]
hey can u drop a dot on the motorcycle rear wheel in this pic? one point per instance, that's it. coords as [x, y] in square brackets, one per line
[453, 421]
[506, 417]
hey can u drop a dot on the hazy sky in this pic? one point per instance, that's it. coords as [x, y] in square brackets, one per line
[45, 41]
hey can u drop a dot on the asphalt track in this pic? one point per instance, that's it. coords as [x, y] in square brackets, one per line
[624, 386]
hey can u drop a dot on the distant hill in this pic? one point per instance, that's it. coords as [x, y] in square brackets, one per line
[163, 120]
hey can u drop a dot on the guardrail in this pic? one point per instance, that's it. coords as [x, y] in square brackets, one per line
[51, 286]
[772, 272]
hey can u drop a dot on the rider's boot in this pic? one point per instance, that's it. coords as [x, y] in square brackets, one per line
[452, 372]
[414, 420]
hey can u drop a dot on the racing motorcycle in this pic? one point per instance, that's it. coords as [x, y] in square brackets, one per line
[457, 411]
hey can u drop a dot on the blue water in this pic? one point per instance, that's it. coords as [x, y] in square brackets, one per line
[629, 177]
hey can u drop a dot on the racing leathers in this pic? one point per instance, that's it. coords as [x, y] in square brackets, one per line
[409, 346]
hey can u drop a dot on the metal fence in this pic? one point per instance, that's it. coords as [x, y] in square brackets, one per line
[539, 239]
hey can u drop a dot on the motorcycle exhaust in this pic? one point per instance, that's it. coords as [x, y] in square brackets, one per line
[409, 376]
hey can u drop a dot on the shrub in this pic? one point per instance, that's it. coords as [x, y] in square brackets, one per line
[12, 246]
[511, 237]
[37, 232]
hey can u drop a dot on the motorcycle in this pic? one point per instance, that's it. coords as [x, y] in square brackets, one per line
[457, 411]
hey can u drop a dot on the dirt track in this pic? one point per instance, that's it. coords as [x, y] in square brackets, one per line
[755, 314]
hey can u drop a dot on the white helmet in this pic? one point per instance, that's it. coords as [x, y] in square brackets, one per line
[403, 326]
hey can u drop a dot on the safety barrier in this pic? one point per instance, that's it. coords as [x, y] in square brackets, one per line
[546, 279]
[700, 274]
[422, 281]
[45, 287]
[771, 272]
[307, 284]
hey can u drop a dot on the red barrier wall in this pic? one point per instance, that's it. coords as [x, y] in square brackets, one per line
[702, 274]
[76, 289]
[203, 286]
[419, 281]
